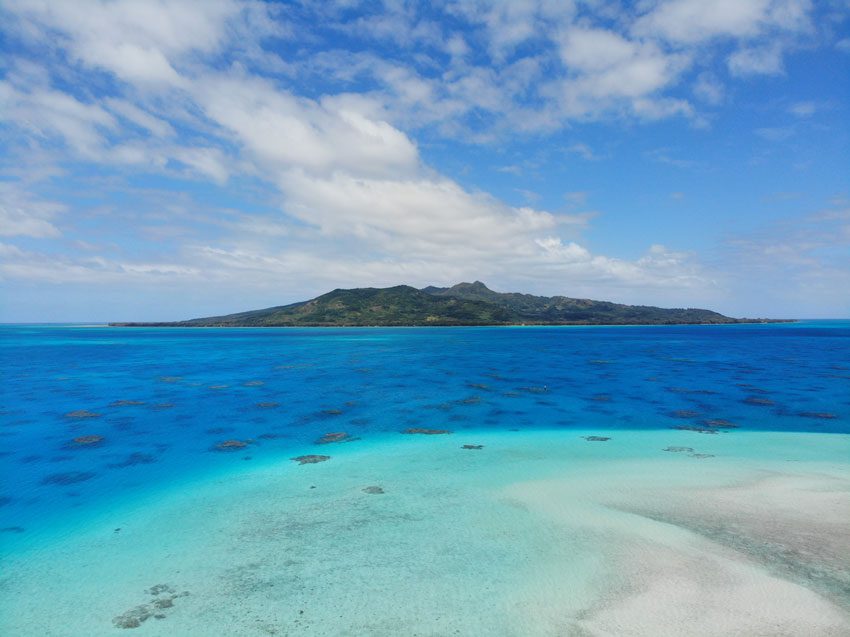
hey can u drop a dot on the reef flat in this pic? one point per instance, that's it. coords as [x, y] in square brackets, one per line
[535, 533]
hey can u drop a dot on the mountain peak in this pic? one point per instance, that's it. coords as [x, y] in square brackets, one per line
[476, 285]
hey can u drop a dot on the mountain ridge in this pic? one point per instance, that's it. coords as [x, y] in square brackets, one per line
[464, 304]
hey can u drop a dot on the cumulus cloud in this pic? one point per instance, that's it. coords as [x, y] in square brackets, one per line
[541, 64]
[760, 60]
[696, 21]
[279, 130]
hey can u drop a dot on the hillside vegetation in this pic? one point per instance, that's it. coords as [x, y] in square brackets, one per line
[462, 304]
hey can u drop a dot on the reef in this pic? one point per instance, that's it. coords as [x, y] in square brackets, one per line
[230, 445]
[719, 423]
[126, 403]
[271, 436]
[310, 459]
[373, 490]
[82, 413]
[472, 446]
[752, 388]
[427, 432]
[822, 415]
[254, 383]
[756, 400]
[132, 460]
[679, 449]
[696, 428]
[596, 438]
[68, 477]
[170, 379]
[92, 440]
[268, 405]
[684, 413]
[334, 436]
[163, 597]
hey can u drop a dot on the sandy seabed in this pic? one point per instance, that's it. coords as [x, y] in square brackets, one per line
[538, 533]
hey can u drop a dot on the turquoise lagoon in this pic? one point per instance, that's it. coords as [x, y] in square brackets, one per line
[630, 481]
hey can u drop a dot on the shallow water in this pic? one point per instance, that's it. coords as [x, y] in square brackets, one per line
[536, 533]
[204, 519]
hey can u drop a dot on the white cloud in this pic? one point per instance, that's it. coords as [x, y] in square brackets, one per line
[709, 89]
[664, 156]
[209, 162]
[758, 60]
[798, 263]
[803, 109]
[135, 115]
[24, 216]
[279, 130]
[577, 197]
[353, 185]
[596, 50]
[16, 222]
[606, 70]
[695, 21]
[583, 150]
[507, 25]
[48, 113]
[423, 216]
[139, 42]
[775, 134]
[26, 265]
[629, 68]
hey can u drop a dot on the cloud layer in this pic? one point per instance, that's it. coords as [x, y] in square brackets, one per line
[241, 96]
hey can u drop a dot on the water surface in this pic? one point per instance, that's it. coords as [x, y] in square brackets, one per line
[599, 444]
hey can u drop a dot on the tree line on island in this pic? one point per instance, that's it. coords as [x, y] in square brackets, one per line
[463, 304]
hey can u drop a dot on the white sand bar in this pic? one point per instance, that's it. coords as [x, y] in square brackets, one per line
[538, 533]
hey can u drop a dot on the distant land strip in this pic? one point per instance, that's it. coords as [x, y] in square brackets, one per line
[465, 304]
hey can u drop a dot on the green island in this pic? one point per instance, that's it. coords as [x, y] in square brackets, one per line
[465, 304]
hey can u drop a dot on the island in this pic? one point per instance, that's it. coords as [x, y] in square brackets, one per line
[465, 304]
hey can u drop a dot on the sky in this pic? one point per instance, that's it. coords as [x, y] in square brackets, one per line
[165, 160]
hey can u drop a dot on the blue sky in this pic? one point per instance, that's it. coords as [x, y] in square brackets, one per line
[164, 160]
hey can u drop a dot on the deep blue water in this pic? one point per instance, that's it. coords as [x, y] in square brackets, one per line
[190, 389]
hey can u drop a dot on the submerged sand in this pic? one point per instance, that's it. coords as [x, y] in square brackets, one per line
[537, 533]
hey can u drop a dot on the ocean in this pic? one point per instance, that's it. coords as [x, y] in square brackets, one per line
[148, 481]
